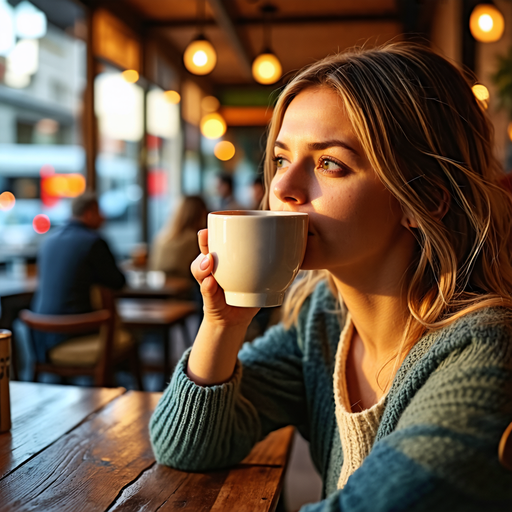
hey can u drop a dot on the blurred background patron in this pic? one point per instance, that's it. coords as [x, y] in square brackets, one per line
[71, 260]
[175, 247]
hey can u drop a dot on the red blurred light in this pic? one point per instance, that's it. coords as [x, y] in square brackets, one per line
[157, 183]
[41, 223]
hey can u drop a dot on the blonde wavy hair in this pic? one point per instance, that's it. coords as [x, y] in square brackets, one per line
[429, 141]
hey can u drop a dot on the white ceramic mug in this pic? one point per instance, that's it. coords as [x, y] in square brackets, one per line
[256, 254]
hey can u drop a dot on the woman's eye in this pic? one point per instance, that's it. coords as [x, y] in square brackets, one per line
[280, 162]
[329, 165]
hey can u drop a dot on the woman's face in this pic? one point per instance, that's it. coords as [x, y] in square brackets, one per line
[321, 169]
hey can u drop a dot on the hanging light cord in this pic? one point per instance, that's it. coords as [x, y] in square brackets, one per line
[201, 8]
[267, 10]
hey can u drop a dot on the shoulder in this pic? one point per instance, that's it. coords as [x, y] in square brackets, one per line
[487, 329]
[479, 339]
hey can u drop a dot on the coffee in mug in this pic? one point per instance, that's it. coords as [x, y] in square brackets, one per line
[5, 363]
[256, 254]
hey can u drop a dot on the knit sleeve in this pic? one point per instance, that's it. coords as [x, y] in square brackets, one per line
[197, 428]
[443, 454]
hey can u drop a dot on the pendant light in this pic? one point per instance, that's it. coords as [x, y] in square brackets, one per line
[200, 56]
[486, 23]
[266, 68]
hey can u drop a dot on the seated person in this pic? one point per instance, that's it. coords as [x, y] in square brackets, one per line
[70, 261]
[225, 192]
[175, 247]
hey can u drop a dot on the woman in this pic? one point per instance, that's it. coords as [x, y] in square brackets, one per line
[394, 358]
[175, 247]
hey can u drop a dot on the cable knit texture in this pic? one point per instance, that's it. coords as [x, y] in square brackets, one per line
[357, 430]
[436, 447]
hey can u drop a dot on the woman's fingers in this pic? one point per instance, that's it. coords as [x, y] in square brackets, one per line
[202, 267]
[202, 238]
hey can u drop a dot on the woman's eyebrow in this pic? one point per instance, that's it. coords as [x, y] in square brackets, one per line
[318, 146]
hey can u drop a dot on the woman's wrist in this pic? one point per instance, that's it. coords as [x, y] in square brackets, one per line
[214, 353]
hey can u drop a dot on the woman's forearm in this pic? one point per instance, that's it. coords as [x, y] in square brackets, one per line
[214, 354]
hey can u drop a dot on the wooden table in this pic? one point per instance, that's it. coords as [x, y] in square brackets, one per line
[159, 315]
[172, 288]
[87, 449]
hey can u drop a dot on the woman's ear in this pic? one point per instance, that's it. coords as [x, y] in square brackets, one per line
[444, 205]
[408, 219]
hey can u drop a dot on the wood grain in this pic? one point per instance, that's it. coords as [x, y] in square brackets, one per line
[42, 413]
[162, 488]
[252, 486]
[88, 467]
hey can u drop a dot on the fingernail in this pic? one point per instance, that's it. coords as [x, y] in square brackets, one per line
[205, 263]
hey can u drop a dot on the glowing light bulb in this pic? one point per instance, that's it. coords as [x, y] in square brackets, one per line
[200, 57]
[486, 23]
[266, 68]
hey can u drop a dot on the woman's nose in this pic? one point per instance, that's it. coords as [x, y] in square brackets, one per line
[290, 186]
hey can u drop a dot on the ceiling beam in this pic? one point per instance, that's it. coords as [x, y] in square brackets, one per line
[292, 20]
[226, 23]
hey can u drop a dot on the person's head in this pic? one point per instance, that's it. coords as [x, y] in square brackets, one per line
[258, 190]
[191, 214]
[85, 208]
[225, 185]
[428, 140]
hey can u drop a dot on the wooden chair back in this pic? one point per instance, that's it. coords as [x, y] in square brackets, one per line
[76, 324]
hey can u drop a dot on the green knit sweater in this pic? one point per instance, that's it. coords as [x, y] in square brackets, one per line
[437, 445]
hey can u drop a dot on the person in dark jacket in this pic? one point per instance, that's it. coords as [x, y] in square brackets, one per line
[70, 261]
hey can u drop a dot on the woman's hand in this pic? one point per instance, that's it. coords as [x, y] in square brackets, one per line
[216, 311]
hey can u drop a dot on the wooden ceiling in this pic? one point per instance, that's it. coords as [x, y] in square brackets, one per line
[302, 31]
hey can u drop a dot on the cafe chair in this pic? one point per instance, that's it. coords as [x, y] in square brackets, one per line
[95, 355]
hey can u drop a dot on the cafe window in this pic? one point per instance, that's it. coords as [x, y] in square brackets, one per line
[164, 155]
[119, 109]
[42, 82]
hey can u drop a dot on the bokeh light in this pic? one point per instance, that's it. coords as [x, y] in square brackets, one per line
[41, 223]
[224, 150]
[172, 97]
[210, 104]
[200, 57]
[481, 92]
[130, 76]
[266, 68]
[7, 201]
[213, 126]
[64, 185]
[486, 23]
[509, 131]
